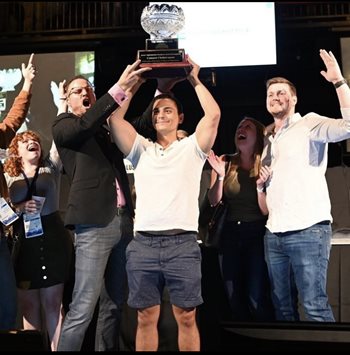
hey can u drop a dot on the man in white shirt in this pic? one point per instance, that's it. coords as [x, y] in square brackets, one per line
[298, 236]
[164, 251]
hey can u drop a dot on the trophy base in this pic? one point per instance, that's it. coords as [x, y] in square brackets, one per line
[164, 43]
[161, 55]
[167, 69]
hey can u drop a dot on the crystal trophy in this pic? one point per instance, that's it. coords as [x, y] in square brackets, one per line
[162, 22]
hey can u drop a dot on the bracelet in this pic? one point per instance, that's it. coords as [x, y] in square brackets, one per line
[340, 83]
[260, 189]
[220, 178]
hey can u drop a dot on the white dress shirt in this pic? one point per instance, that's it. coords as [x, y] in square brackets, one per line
[297, 194]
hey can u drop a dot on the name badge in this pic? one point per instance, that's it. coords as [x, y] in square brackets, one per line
[7, 214]
[32, 225]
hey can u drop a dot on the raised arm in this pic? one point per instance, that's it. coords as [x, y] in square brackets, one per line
[123, 132]
[334, 75]
[62, 98]
[71, 133]
[19, 109]
[28, 73]
[207, 127]
[62, 107]
[54, 156]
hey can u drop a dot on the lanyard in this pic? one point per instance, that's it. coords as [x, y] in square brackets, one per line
[31, 186]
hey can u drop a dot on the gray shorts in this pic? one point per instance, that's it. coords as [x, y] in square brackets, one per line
[155, 261]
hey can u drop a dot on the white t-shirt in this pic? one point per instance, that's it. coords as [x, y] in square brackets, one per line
[167, 183]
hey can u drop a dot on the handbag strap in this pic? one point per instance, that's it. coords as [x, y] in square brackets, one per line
[227, 168]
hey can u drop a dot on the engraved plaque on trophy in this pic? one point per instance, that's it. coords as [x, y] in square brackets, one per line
[162, 22]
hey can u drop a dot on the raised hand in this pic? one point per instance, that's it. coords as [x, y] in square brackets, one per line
[29, 71]
[193, 75]
[216, 163]
[61, 89]
[333, 73]
[132, 90]
[58, 92]
[131, 76]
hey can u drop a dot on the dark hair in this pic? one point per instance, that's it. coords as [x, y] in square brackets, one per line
[171, 97]
[75, 78]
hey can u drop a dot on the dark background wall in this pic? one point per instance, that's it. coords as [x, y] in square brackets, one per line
[240, 90]
[301, 30]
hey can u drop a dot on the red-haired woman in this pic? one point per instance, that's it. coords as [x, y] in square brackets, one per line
[43, 262]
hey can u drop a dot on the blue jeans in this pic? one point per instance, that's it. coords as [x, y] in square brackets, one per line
[244, 271]
[303, 256]
[99, 272]
[8, 296]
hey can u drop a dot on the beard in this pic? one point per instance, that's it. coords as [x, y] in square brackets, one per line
[279, 111]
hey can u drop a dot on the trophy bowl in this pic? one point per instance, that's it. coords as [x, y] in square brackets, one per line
[162, 21]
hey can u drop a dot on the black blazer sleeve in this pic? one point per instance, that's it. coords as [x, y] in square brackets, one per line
[68, 132]
[90, 164]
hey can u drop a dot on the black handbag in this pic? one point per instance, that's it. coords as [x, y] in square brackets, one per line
[13, 242]
[211, 222]
[15, 248]
[212, 218]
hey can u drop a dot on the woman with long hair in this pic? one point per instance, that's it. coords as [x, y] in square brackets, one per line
[43, 261]
[235, 178]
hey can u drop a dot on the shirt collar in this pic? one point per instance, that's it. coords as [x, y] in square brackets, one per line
[170, 145]
[288, 121]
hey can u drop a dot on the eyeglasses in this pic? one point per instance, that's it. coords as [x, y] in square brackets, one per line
[79, 90]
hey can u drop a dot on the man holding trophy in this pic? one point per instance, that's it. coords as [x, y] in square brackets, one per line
[164, 251]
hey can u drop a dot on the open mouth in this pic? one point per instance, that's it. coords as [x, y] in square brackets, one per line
[33, 148]
[241, 137]
[86, 103]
